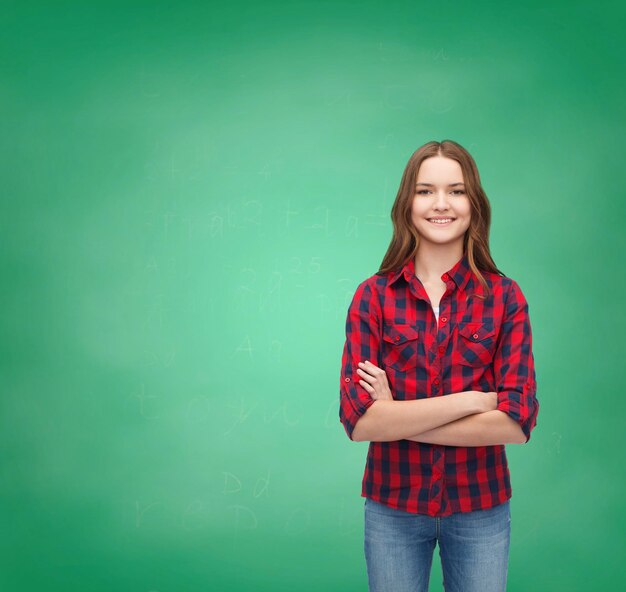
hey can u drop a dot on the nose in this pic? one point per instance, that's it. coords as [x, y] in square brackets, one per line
[441, 200]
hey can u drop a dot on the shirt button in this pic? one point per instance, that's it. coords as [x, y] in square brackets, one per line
[436, 381]
[444, 319]
[397, 337]
[444, 276]
[475, 336]
[442, 349]
[347, 379]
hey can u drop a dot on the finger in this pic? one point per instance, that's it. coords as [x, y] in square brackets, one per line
[375, 372]
[365, 375]
[373, 366]
[367, 364]
[368, 387]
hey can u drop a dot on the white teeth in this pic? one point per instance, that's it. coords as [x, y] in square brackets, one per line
[441, 221]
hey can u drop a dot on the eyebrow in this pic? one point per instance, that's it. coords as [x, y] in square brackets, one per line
[431, 185]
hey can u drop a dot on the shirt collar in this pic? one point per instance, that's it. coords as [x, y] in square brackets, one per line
[460, 272]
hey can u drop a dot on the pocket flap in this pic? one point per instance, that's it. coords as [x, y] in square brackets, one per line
[476, 331]
[399, 333]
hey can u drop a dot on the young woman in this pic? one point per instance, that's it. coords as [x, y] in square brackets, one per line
[438, 375]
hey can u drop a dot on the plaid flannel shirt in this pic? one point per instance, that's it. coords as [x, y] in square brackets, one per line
[483, 345]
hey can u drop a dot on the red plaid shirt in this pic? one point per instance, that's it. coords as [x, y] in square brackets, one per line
[481, 345]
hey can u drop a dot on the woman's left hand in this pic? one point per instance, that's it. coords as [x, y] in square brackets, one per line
[374, 381]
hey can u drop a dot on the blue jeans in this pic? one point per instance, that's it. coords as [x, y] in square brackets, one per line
[473, 546]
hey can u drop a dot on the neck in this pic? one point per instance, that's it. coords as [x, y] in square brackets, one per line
[431, 264]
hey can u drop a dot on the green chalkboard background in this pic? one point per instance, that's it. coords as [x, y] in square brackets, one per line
[191, 193]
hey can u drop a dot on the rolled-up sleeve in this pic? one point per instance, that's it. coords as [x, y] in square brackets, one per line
[514, 364]
[362, 343]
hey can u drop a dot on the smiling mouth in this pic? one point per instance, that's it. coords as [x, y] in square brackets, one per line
[441, 221]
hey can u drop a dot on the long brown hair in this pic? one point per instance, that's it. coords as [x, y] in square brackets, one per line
[405, 239]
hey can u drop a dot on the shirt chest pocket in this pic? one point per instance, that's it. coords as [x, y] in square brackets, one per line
[475, 344]
[400, 346]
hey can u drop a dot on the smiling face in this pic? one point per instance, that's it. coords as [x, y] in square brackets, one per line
[440, 194]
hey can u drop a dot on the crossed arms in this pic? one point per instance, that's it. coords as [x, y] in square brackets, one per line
[468, 418]
[453, 420]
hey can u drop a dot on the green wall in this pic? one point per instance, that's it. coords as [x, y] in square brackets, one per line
[191, 193]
